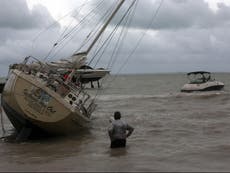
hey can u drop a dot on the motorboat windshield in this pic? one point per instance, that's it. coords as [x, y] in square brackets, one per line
[199, 77]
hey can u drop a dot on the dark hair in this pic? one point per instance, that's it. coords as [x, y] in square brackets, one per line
[117, 115]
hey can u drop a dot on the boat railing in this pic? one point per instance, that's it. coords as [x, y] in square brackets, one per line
[71, 92]
[78, 97]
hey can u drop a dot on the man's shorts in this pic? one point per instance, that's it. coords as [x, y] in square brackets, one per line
[118, 143]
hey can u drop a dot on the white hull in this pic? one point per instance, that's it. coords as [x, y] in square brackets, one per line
[207, 86]
[29, 103]
[92, 73]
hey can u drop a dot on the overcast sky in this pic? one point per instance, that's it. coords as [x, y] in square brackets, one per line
[186, 35]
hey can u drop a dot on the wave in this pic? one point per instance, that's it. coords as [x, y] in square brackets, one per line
[125, 97]
[114, 97]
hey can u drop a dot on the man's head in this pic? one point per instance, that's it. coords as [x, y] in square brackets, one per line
[117, 115]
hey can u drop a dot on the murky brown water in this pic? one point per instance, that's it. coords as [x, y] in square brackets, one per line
[173, 132]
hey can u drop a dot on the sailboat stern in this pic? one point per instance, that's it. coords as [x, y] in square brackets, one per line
[29, 103]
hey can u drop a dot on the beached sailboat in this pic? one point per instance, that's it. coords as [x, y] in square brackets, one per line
[38, 98]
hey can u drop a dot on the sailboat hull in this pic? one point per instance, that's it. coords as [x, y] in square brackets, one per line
[29, 103]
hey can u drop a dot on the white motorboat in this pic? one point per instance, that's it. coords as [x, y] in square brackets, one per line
[201, 81]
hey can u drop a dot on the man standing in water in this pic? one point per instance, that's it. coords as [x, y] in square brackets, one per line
[118, 131]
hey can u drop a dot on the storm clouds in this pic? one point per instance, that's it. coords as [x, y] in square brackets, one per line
[186, 35]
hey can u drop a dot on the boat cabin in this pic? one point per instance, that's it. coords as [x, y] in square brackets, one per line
[198, 77]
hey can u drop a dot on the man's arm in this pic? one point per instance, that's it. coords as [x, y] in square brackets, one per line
[130, 130]
[110, 131]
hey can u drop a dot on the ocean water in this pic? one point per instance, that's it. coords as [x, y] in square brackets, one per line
[174, 131]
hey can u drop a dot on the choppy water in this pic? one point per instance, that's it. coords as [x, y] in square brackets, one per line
[173, 131]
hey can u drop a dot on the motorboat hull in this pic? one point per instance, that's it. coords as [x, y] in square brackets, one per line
[207, 86]
[24, 106]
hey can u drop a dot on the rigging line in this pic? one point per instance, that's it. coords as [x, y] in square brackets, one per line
[74, 16]
[51, 50]
[47, 28]
[112, 33]
[83, 20]
[54, 23]
[120, 35]
[108, 38]
[116, 48]
[115, 53]
[135, 2]
[74, 29]
[98, 26]
[56, 45]
[50, 26]
[65, 44]
[139, 41]
[99, 42]
[122, 32]
[77, 24]
[84, 42]
[104, 47]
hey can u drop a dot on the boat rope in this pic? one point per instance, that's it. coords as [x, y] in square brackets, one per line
[2, 123]
[71, 22]
[108, 43]
[155, 13]
[140, 39]
[98, 26]
[92, 33]
[117, 47]
[83, 20]
[70, 35]
[51, 25]
[121, 39]
[122, 35]
[129, 14]
[74, 29]
[69, 13]
[142, 36]
[113, 32]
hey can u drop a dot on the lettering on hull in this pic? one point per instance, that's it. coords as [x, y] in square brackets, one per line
[38, 100]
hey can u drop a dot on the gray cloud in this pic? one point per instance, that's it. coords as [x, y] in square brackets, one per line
[15, 14]
[180, 14]
[18, 27]
[185, 36]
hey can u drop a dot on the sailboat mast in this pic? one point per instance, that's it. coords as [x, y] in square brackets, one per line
[105, 25]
